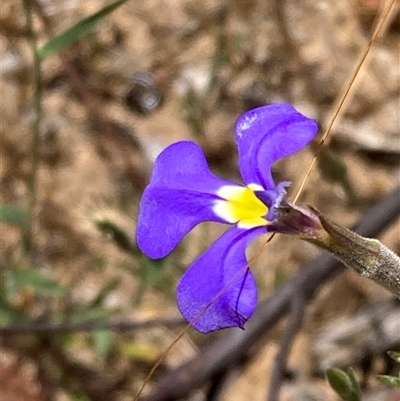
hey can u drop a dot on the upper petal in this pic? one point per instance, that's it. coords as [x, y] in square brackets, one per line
[268, 133]
[181, 194]
[218, 291]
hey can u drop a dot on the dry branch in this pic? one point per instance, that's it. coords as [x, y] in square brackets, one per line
[372, 330]
[92, 325]
[296, 315]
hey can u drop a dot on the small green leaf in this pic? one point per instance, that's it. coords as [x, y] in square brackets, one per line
[355, 385]
[221, 58]
[150, 274]
[334, 170]
[76, 31]
[102, 341]
[340, 382]
[394, 355]
[119, 237]
[90, 314]
[76, 397]
[9, 315]
[14, 215]
[344, 384]
[140, 351]
[35, 280]
[103, 293]
[195, 112]
[150, 271]
[391, 380]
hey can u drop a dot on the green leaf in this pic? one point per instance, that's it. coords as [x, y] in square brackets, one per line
[394, 355]
[35, 280]
[76, 397]
[103, 293]
[344, 384]
[15, 215]
[9, 315]
[221, 58]
[90, 314]
[119, 237]
[102, 341]
[150, 274]
[194, 112]
[355, 386]
[150, 271]
[334, 170]
[140, 351]
[391, 380]
[76, 31]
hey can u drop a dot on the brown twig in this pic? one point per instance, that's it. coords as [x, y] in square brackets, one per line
[374, 328]
[220, 381]
[233, 345]
[62, 328]
[296, 314]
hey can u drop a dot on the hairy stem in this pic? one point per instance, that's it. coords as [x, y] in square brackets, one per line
[368, 257]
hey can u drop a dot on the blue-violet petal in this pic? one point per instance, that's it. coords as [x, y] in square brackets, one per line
[221, 267]
[266, 134]
[181, 194]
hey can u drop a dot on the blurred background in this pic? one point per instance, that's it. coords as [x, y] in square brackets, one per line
[84, 314]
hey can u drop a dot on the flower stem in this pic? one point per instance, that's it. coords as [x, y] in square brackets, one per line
[368, 257]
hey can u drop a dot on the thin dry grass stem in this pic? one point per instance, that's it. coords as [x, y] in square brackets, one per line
[37, 108]
[390, 18]
[160, 359]
[337, 108]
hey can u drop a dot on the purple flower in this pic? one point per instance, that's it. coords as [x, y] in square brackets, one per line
[183, 193]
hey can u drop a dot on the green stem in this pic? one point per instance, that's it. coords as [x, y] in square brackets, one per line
[37, 107]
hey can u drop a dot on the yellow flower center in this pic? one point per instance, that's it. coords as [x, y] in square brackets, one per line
[241, 206]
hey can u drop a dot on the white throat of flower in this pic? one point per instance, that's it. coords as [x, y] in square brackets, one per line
[240, 205]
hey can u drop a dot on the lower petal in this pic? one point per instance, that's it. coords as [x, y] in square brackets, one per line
[218, 291]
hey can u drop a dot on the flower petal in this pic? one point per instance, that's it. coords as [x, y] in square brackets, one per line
[266, 134]
[181, 194]
[199, 291]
